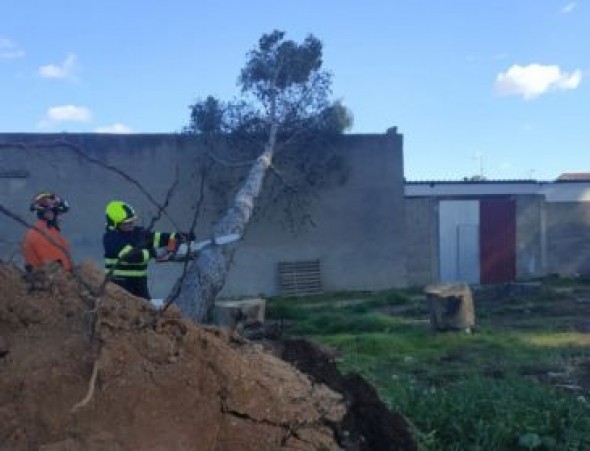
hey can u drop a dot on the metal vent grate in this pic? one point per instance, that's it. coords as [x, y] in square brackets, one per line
[303, 277]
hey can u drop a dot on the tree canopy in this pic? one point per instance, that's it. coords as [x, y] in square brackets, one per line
[283, 84]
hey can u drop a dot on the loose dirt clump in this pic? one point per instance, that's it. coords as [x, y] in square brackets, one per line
[127, 377]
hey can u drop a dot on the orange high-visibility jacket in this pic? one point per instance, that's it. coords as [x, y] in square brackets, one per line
[39, 250]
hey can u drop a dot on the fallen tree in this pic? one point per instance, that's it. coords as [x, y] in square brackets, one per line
[285, 101]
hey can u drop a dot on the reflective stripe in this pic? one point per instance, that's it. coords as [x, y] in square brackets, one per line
[125, 265]
[128, 273]
[125, 251]
[158, 239]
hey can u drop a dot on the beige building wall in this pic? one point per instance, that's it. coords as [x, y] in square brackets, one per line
[359, 238]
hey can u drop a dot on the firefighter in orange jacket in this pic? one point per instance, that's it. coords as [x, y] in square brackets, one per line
[44, 242]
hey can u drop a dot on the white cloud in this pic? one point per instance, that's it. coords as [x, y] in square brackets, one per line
[9, 50]
[117, 128]
[569, 7]
[65, 113]
[70, 113]
[535, 79]
[63, 70]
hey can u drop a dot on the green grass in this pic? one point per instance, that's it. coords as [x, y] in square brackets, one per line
[494, 389]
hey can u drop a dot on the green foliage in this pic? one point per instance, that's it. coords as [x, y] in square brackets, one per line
[492, 414]
[343, 322]
[278, 64]
[206, 117]
[284, 310]
[335, 118]
[282, 83]
[285, 102]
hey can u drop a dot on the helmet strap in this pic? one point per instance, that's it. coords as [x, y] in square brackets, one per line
[52, 223]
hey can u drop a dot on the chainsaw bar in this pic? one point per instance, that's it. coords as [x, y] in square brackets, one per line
[190, 250]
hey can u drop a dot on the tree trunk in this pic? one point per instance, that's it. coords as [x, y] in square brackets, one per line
[206, 274]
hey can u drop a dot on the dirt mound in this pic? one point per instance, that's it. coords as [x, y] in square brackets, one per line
[146, 381]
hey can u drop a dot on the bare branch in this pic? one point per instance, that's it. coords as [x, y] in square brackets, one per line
[79, 151]
[178, 285]
[280, 176]
[229, 164]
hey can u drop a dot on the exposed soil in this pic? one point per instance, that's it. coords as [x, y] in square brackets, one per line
[150, 381]
[367, 424]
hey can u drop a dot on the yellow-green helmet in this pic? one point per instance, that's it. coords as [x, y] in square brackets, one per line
[117, 212]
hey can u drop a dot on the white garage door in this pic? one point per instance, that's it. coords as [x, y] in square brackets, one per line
[458, 240]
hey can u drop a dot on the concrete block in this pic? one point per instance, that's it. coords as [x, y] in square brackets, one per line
[238, 314]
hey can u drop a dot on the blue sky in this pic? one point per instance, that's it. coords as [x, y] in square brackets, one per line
[498, 87]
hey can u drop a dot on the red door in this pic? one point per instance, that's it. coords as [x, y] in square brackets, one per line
[497, 240]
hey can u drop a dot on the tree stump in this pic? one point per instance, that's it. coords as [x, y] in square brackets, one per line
[451, 307]
[238, 315]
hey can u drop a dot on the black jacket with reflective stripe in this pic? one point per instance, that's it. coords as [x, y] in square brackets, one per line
[127, 254]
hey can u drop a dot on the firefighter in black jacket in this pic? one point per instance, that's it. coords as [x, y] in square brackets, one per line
[128, 248]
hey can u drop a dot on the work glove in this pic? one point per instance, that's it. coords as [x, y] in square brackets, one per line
[168, 253]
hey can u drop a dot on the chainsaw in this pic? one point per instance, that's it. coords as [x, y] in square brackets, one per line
[179, 251]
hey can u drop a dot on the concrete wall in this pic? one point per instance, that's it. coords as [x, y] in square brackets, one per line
[530, 257]
[568, 237]
[422, 240]
[573, 191]
[359, 237]
[565, 225]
